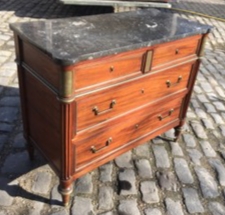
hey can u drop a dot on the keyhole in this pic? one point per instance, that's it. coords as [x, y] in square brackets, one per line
[111, 69]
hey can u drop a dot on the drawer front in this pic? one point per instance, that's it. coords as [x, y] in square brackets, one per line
[173, 51]
[103, 105]
[103, 139]
[108, 68]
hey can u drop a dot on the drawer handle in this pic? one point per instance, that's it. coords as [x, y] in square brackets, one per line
[169, 84]
[97, 112]
[177, 51]
[160, 117]
[94, 150]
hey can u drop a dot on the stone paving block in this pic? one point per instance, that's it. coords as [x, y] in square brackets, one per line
[110, 213]
[42, 182]
[82, 206]
[4, 81]
[22, 164]
[128, 207]
[149, 192]
[212, 96]
[189, 140]
[157, 141]
[206, 87]
[161, 156]
[195, 156]
[197, 89]
[192, 201]
[209, 108]
[207, 149]
[8, 114]
[208, 124]
[8, 191]
[62, 212]
[170, 133]
[106, 172]
[220, 170]
[183, 171]
[152, 211]
[167, 180]
[216, 208]
[10, 101]
[36, 208]
[217, 118]
[201, 113]
[127, 182]
[173, 207]
[202, 98]
[194, 103]
[105, 198]
[176, 149]
[12, 91]
[124, 160]
[199, 130]
[144, 168]
[19, 141]
[220, 91]
[191, 115]
[222, 128]
[142, 150]
[84, 184]
[208, 184]
[219, 106]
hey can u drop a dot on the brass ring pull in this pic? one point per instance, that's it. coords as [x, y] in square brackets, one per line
[160, 117]
[97, 112]
[169, 84]
[94, 150]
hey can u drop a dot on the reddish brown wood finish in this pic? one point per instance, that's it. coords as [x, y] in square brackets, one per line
[58, 114]
[130, 95]
[174, 51]
[123, 130]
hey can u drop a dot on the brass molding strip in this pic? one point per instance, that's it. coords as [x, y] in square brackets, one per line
[66, 83]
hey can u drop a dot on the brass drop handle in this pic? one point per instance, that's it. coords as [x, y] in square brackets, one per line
[97, 112]
[169, 84]
[94, 150]
[160, 117]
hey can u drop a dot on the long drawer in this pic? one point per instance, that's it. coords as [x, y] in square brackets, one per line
[105, 104]
[109, 136]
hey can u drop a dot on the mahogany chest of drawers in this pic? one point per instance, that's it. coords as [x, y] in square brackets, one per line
[95, 87]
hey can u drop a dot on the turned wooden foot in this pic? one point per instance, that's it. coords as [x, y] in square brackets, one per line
[178, 132]
[66, 190]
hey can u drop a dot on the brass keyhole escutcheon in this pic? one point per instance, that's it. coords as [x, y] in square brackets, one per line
[177, 51]
[136, 126]
[111, 68]
[142, 91]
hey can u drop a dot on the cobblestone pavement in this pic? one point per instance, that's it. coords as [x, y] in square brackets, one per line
[173, 178]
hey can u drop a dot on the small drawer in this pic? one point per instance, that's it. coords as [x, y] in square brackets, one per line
[97, 71]
[105, 104]
[174, 51]
[110, 136]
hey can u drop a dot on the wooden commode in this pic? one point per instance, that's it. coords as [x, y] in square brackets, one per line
[95, 87]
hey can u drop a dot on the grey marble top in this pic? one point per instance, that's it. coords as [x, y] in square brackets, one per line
[75, 39]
